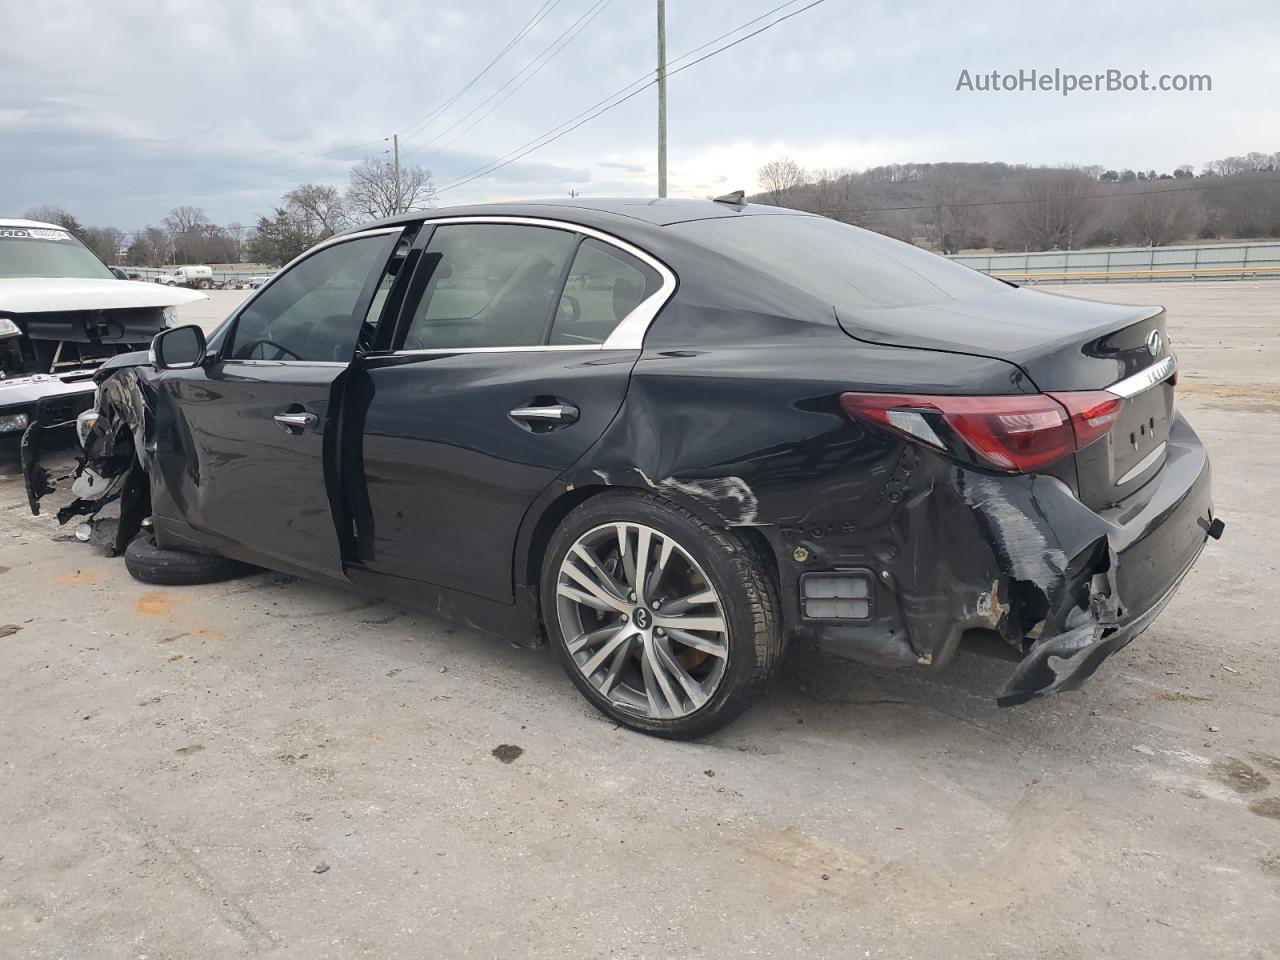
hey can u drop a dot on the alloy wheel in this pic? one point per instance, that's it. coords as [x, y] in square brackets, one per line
[641, 620]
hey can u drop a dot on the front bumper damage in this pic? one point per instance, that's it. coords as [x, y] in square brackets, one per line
[1015, 565]
[109, 468]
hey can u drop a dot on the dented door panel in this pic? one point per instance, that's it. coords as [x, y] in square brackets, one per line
[448, 473]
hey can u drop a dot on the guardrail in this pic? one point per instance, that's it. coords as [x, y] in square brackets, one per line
[1217, 261]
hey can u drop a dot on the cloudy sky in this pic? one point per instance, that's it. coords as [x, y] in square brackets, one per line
[118, 111]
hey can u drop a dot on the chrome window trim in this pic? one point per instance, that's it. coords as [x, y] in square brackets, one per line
[1145, 379]
[627, 335]
[1143, 465]
[281, 363]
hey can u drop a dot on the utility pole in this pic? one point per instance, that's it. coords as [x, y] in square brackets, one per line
[395, 144]
[662, 98]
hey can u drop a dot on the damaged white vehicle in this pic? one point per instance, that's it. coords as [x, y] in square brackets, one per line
[62, 313]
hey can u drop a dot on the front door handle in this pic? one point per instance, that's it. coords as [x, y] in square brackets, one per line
[291, 422]
[551, 413]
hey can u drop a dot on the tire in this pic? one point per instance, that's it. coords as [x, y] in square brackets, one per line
[178, 568]
[738, 636]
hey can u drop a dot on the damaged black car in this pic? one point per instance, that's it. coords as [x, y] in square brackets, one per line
[666, 437]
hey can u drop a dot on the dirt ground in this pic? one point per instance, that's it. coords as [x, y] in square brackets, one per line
[269, 768]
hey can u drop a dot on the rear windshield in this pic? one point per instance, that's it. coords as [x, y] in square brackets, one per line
[837, 263]
[46, 252]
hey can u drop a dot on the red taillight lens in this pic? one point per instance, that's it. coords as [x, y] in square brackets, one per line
[1020, 434]
[1093, 413]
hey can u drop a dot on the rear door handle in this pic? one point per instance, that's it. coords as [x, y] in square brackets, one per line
[549, 414]
[290, 422]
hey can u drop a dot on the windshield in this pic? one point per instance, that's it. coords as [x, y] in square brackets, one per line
[47, 252]
[840, 264]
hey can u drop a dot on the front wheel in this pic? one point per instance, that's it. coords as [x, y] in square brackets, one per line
[666, 624]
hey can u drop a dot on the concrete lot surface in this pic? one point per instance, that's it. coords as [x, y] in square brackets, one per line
[269, 768]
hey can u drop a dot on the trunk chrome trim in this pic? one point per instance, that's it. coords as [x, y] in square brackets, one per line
[1143, 465]
[1158, 372]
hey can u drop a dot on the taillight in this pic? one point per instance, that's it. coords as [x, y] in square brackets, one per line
[1020, 433]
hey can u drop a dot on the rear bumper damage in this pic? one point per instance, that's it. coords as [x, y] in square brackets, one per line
[1014, 565]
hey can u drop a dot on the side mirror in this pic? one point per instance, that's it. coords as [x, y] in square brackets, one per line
[179, 348]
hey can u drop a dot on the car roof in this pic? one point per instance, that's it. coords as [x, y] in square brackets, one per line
[4, 222]
[601, 212]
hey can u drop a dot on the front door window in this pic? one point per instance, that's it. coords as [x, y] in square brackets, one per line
[309, 312]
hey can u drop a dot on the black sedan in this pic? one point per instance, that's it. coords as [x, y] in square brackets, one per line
[666, 437]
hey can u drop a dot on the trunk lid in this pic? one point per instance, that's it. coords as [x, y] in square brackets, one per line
[1062, 344]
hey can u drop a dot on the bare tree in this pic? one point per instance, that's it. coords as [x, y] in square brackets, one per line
[185, 219]
[236, 234]
[151, 247]
[106, 242]
[378, 190]
[1157, 217]
[321, 206]
[779, 177]
[59, 215]
[953, 212]
[1052, 207]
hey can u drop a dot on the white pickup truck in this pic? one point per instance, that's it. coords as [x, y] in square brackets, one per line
[62, 313]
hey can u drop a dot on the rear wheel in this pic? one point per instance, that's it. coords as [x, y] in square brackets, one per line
[666, 624]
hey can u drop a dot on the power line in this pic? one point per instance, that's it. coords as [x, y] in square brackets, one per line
[424, 121]
[563, 40]
[495, 166]
[639, 80]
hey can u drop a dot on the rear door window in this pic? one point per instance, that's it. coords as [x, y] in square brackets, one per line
[604, 285]
[494, 285]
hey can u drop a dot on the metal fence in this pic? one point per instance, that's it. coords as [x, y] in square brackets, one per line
[1216, 261]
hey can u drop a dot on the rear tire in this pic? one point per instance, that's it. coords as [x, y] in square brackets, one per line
[178, 568]
[680, 632]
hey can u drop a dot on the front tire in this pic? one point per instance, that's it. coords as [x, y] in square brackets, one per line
[173, 568]
[666, 624]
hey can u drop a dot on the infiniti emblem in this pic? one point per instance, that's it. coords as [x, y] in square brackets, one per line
[1153, 343]
[642, 617]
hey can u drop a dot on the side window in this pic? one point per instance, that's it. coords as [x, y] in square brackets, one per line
[494, 286]
[604, 285]
[309, 313]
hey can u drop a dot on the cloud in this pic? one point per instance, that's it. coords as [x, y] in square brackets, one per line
[120, 111]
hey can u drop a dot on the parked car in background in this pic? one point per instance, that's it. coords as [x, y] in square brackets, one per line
[62, 312]
[199, 277]
[669, 436]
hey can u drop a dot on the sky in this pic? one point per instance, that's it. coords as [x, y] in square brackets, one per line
[119, 111]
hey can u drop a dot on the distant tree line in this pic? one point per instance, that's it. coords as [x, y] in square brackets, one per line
[307, 214]
[954, 206]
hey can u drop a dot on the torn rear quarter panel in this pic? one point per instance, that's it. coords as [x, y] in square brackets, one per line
[955, 553]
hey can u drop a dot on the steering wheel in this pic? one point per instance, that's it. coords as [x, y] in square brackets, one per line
[281, 349]
[575, 308]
